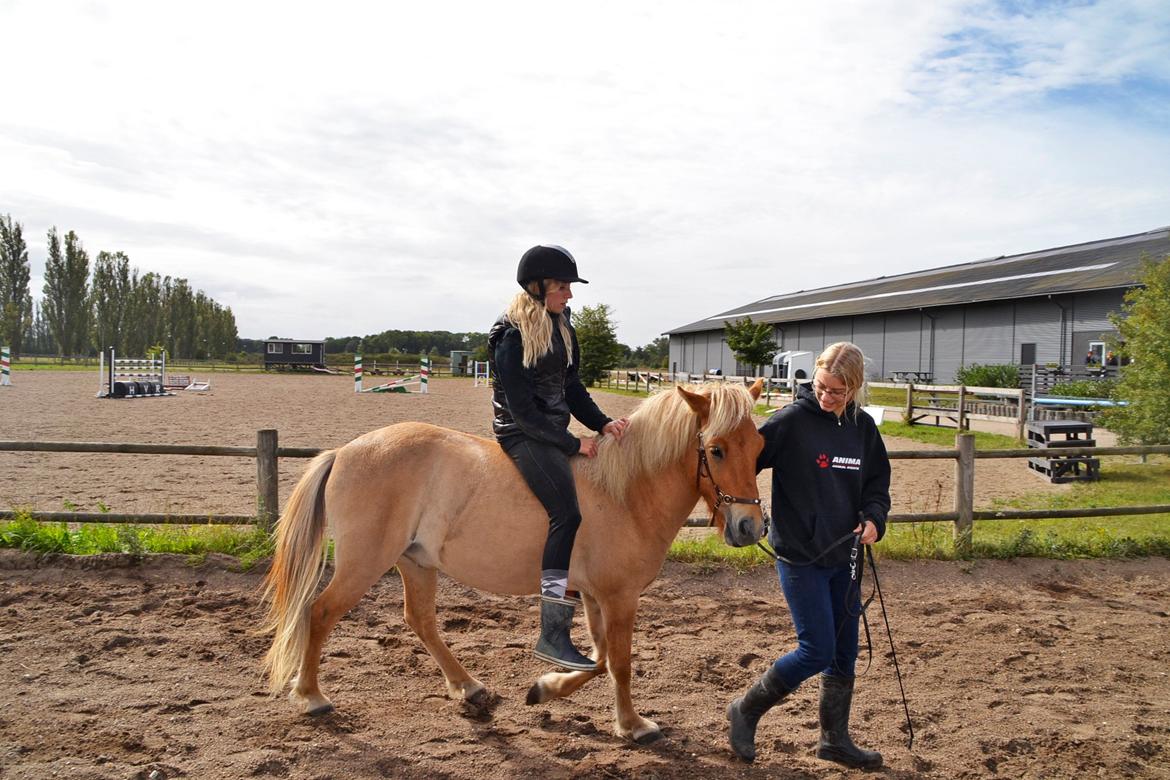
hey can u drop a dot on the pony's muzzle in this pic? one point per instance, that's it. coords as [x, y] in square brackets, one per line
[742, 525]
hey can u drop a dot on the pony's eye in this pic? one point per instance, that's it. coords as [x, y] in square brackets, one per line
[716, 452]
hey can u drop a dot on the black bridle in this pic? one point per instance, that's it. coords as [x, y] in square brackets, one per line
[721, 498]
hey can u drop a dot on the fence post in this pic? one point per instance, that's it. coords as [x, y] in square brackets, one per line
[909, 403]
[1020, 416]
[963, 408]
[964, 493]
[267, 484]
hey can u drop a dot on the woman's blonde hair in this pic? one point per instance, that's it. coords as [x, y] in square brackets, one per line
[535, 322]
[845, 361]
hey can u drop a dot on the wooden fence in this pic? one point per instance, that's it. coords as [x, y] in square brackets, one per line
[961, 403]
[267, 453]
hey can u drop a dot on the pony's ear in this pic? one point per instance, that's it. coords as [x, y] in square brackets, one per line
[700, 404]
[756, 388]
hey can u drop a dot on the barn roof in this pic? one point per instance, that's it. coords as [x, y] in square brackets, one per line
[1097, 265]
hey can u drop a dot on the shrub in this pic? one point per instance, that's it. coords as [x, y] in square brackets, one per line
[1085, 388]
[979, 375]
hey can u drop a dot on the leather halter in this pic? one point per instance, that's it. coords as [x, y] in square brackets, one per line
[721, 498]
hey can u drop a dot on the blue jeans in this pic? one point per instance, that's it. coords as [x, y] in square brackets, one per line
[825, 608]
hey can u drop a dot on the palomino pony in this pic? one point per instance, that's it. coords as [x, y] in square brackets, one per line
[428, 499]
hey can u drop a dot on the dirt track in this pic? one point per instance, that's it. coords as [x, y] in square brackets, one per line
[1025, 669]
[1031, 669]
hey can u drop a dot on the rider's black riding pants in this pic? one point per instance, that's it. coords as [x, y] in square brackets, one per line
[546, 470]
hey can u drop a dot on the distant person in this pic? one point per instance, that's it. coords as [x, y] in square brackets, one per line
[1090, 358]
[1111, 358]
[535, 359]
[830, 487]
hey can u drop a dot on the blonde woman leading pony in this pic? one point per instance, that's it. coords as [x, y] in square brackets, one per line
[536, 389]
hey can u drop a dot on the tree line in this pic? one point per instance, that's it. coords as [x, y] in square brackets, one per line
[87, 307]
[596, 333]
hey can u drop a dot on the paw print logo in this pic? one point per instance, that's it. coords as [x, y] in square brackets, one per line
[823, 460]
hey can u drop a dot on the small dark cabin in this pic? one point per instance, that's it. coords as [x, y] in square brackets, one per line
[297, 353]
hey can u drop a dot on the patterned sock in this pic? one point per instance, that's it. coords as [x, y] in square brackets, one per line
[553, 583]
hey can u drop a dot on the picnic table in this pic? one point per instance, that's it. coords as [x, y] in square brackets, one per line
[912, 377]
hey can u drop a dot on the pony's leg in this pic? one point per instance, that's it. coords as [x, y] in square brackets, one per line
[619, 629]
[344, 591]
[418, 589]
[555, 685]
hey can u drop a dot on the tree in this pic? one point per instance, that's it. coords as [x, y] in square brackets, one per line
[143, 323]
[751, 343]
[109, 300]
[15, 313]
[66, 300]
[179, 309]
[1144, 328]
[597, 338]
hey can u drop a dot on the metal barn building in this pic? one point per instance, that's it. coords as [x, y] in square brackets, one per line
[1050, 306]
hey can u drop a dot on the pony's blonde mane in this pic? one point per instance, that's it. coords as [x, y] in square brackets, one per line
[661, 430]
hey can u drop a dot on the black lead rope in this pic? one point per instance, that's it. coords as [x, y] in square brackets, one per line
[893, 653]
[856, 569]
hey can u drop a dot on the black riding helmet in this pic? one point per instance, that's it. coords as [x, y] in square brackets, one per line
[547, 261]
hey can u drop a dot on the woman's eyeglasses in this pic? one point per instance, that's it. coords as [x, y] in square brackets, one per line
[820, 389]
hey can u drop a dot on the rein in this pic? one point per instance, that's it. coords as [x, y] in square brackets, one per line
[721, 498]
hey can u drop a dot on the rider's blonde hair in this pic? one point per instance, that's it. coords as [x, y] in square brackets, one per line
[535, 322]
[845, 361]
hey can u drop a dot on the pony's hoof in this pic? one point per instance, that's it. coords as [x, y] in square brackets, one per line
[535, 694]
[645, 732]
[649, 737]
[314, 705]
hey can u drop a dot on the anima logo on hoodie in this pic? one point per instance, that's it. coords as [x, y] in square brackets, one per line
[839, 462]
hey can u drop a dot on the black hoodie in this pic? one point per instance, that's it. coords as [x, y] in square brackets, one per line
[825, 469]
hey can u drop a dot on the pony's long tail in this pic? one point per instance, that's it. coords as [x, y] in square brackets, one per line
[296, 570]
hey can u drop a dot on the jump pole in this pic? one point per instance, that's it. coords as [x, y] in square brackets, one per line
[423, 376]
[5, 367]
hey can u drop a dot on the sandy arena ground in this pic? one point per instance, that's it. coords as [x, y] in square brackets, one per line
[1026, 669]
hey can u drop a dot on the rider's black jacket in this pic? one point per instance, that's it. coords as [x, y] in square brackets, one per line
[536, 402]
[825, 470]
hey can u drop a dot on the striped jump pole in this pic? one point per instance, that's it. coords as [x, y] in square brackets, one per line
[424, 373]
[5, 366]
[357, 373]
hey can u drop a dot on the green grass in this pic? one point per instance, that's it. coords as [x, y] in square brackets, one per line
[929, 434]
[246, 543]
[887, 396]
[712, 552]
[1123, 482]
[1113, 537]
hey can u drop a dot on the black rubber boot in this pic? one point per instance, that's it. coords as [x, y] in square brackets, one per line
[836, 745]
[554, 644]
[745, 712]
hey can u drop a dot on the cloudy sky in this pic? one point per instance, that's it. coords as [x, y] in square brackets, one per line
[331, 169]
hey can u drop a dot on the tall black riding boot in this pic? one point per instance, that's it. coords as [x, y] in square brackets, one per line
[744, 713]
[554, 644]
[836, 745]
